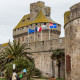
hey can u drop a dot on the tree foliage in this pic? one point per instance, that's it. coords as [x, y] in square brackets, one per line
[13, 51]
[17, 53]
[58, 55]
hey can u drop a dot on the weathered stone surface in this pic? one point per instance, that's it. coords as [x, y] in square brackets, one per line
[72, 43]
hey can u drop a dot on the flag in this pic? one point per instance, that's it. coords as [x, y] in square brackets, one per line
[38, 28]
[53, 25]
[44, 27]
[31, 31]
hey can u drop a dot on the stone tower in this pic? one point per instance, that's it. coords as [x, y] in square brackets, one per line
[43, 42]
[35, 8]
[72, 43]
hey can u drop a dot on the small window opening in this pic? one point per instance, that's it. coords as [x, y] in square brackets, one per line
[44, 23]
[36, 23]
[28, 18]
[23, 20]
[38, 35]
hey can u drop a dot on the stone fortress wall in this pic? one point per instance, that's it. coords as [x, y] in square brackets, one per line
[23, 32]
[41, 48]
[72, 42]
[42, 51]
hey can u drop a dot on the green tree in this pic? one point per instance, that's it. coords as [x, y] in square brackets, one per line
[13, 51]
[21, 63]
[16, 53]
[58, 55]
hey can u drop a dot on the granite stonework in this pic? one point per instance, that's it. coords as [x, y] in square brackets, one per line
[43, 43]
[72, 42]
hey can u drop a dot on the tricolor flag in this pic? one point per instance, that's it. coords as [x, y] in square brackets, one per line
[53, 25]
[38, 28]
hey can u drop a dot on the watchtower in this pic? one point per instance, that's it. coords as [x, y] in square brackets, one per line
[72, 42]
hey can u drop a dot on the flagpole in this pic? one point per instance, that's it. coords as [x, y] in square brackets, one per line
[49, 32]
[28, 36]
[34, 36]
[41, 34]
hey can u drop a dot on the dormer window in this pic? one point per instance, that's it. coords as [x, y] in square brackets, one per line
[28, 18]
[23, 20]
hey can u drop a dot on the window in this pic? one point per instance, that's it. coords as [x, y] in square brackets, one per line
[18, 28]
[38, 35]
[28, 18]
[36, 23]
[15, 29]
[44, 23]
[51, 30]
[42, 42]
[22, 27]
[23, 20]
[31, 24]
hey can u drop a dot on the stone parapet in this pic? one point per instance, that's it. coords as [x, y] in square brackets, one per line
[47, 45]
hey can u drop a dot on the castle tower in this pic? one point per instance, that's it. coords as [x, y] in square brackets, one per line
[72, 43]
[41, 42]
[39, 16]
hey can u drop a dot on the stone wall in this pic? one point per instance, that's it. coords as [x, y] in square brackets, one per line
[42, 51]
[72, 43]
[41, 43]
[23, 32]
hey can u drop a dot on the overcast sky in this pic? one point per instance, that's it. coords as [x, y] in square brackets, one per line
[11, 12]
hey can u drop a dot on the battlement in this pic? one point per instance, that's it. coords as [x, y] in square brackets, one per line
[73, 14]
[75, 6]
[35, 8]
[75, 11]
[47, 45]
[41, 4]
